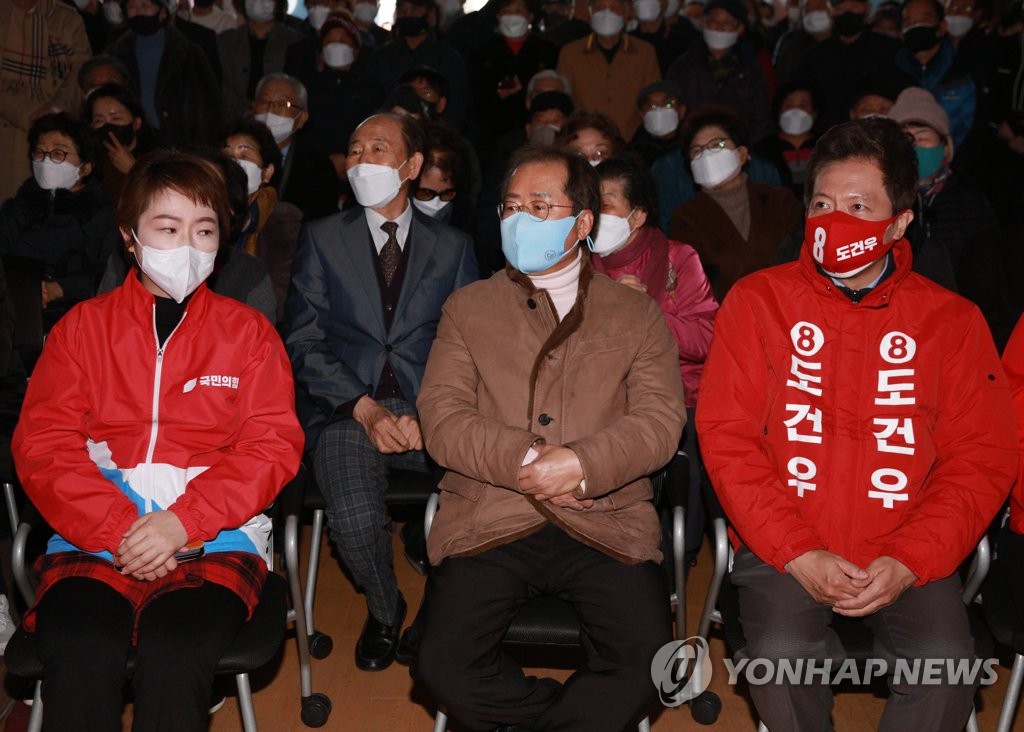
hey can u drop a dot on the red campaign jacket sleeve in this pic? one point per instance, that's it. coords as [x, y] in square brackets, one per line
[265, 456]
[976, 457]
[1013, 363]
[691, 313]
[731, 415]
[50, 454]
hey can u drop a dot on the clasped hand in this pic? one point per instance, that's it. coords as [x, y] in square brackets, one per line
[849, 590]
[147, 549]
[553, 476]
[388, 432]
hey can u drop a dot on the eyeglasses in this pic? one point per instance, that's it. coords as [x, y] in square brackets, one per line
[655, 105]
[277, 106]
[57, 156]
[537, 209]
[719, 143]
[429, 194]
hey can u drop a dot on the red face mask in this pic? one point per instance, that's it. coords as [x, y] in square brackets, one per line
[845, 245]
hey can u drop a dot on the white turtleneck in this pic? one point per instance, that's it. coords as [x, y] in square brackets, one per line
[562, 285]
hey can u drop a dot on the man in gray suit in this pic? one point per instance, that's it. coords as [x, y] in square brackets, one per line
[368, 286]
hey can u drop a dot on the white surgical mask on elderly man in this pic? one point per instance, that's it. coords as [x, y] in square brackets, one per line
[817, 21]
[607, 23]
[280, 126]
[178, 271]
[714, 167]
[374, 185]
[647, 11]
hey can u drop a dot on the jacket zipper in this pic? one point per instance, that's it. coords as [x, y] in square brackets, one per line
[155, 423]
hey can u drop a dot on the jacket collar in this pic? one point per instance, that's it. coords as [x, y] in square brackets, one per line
[141, 301]
[624, 44]
[879, 297]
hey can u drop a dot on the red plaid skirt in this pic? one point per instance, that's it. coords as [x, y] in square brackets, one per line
[240, 572]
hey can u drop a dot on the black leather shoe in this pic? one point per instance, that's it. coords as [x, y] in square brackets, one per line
[375, 649]
[415, 547]
[408, 646]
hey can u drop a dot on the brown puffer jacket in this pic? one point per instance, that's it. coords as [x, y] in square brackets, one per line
[504, 373]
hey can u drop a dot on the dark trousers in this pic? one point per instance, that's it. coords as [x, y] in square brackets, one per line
[353, 477]
[84, 631]
[781, 621]
[624, 615]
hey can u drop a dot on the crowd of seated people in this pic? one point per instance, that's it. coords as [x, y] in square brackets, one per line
[368, 167]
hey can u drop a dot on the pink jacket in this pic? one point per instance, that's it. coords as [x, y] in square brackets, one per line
[675, 278]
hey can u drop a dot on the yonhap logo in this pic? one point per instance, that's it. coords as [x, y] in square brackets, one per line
[681, 670]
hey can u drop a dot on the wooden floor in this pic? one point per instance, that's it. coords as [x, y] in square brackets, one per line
[387, 701]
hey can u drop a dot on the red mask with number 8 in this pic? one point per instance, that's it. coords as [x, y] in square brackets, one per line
[844, 245]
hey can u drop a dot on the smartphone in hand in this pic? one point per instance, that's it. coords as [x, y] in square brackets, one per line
[190, 551]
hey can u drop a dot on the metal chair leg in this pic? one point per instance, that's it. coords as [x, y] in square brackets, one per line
[35, 719]
[645, 725]
[679, 568]
[972, 722]
[245, 703]
[291, 561]
[1012, 694]
[440, 722]
[12, 507]
[314, 564]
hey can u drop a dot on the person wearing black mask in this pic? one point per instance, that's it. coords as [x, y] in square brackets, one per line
[415, 45]
[177, 87]
[928, 59]
[119, 124]
[836, 65]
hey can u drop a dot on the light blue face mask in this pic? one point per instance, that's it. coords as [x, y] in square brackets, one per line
[531, 245]
[929, 160]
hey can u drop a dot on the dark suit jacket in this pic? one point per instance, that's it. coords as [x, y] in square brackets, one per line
[236, 58]
[334, 316]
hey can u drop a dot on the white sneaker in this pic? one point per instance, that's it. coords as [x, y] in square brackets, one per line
[7, 625]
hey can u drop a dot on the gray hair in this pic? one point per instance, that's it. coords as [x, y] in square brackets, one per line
[546, 74]
[298, 88]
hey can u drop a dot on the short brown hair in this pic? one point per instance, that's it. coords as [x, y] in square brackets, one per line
[877, 140]
[585, 119]
[193, 177]
[582, 184]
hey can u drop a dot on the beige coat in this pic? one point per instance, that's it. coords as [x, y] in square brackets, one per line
[65, 48]
[610, 88]
[504, 373]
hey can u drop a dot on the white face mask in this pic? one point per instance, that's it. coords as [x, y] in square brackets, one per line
[544, 134]
[958, 25]
[253, 175]
[793, 14]
[720, 40]
[607, 23]
[672, 8]
[513, 26]
[795, 121]
[433, 207]
[714, 167]
[374, 185]
[178, 271]
[113, 13]
[318, 16]
[53, 176]
[647, 10]
[817, 21]
[339, 55]
[612, 233]
[661, 121]
[365, 12]
[259, 11]
[280, 127]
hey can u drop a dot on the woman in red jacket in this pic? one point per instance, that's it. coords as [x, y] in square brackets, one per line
[158, 425]
[631, 249]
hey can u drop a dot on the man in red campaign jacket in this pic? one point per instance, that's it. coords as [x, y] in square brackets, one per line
[857, 426]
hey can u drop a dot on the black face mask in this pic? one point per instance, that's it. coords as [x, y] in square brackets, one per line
[849, 24]
[145, 25]
[920, 38]
[124, 134]
[411, 26]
